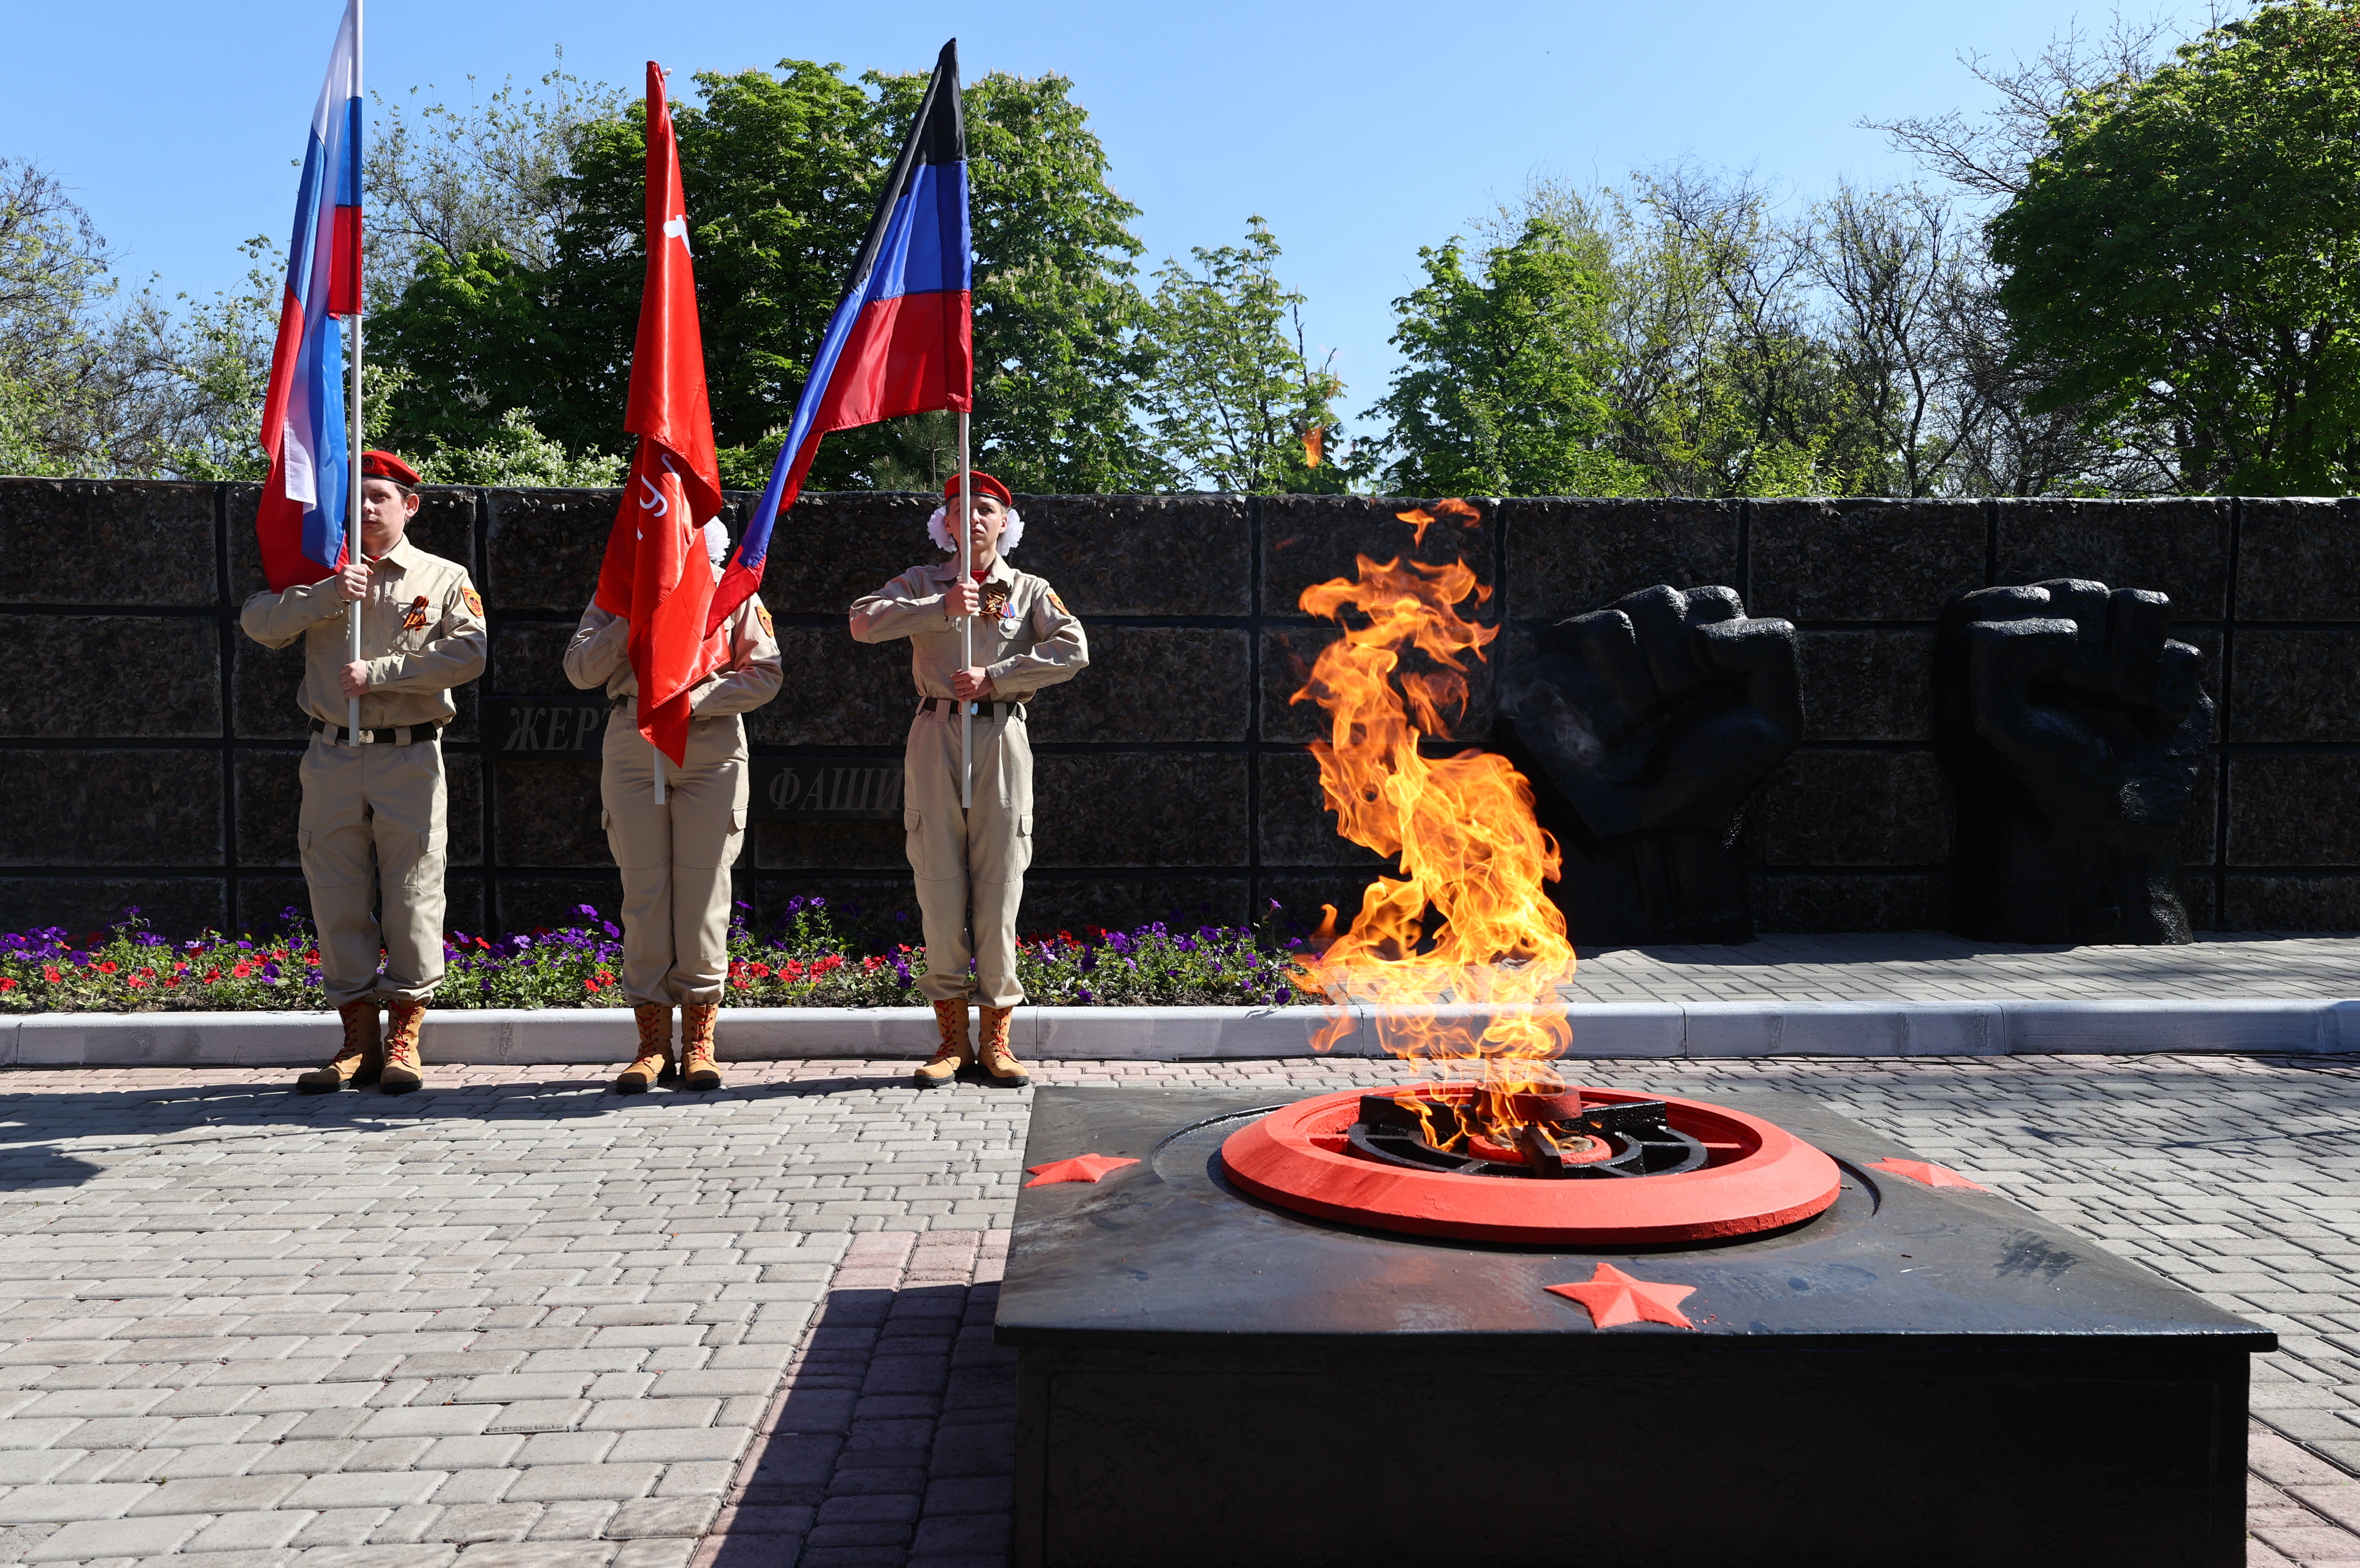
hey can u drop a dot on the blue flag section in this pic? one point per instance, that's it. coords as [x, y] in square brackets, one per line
[903, 338]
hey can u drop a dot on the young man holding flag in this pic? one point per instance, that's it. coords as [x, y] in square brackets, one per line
[387, 628]
[675, 781]
[373, 821]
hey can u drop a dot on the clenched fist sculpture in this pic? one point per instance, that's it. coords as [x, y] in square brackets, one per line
[2070, 726]
[1644, 728]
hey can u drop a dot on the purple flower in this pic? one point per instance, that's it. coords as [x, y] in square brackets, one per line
[1082, 994]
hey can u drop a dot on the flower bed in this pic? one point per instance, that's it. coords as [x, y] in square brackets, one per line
[814, 956]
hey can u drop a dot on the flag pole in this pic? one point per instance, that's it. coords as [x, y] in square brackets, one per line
[967, 623]
[352, 500]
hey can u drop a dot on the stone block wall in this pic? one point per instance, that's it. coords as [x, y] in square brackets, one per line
[148, 750]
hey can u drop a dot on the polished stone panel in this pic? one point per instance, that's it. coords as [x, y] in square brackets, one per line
[2299, 560]
[1868, 685]
[1849, 902]
[270, 796]
[528, 658]
[545, 547]
[2178, 548]
[111, 808]
[2296, 686]
[832, 548]
[1570, 557]
[444, 526]
[1152, 684]
[1139, 555]
[1864, 560]
[1849, 808]
[826, 845]
[181, 905]
[1054, 903]
[2294, 810]
[548, 814]
[265, 683]
[2328, 902]
[1125, 808]
[147, 543]
[534, 903]
[158, 679]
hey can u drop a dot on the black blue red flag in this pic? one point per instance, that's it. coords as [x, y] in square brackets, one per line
[903, 338]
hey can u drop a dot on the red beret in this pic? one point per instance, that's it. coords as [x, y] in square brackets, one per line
[385, 465]
[983, 484]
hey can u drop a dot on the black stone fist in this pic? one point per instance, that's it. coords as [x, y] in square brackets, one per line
[2069, 725]
[1644, 727]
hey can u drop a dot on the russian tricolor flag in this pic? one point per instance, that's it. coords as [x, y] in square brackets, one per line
[903, 338]
[304, 505]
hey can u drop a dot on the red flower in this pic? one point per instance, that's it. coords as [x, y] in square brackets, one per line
[8, 982]
[240, 970]
[105, 966]
[136, 983]
[762, 972]
[50, 973]
[591, 986]
[739, 981]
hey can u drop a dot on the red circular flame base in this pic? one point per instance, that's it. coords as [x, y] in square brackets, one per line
[1758, 1176]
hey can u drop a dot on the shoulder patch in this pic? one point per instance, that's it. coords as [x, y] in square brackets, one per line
[762, 614]
[474, 601]
[1057, 604]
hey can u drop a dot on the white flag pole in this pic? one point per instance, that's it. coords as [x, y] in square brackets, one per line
[353, 501]
[967, 623]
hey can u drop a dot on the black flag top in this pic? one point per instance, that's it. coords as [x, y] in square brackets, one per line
[903, 338]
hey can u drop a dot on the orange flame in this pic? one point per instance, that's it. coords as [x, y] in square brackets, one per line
[1315, 446]
[1419, 520]
[1464, 830]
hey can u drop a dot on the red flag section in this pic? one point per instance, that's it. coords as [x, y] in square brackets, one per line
[657, 575]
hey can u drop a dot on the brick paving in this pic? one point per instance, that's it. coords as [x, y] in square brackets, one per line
[1933, 966]
[516, 1322]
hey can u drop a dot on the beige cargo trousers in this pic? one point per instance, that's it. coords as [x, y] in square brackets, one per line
[975, 857]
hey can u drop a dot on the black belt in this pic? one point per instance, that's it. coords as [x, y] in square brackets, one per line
[951, 707]
[401, 735]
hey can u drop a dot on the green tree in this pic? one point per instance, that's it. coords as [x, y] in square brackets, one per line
[1234, 393]
[2187, 255]
[782, 173]
[1499, 393]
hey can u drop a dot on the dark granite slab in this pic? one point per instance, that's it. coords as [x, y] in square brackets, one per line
[106, 808]
[138, 543]
[2179, 547]
[160, 679]
[1570, 557]
[1864, 560]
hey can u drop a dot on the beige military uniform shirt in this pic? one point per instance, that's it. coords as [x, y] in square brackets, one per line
[601, 651]
[422, 633]
[1024, 639]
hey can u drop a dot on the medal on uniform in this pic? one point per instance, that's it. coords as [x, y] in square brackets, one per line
[415, 621]
[995, 605]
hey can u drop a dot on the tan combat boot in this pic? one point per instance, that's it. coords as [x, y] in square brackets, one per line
[401, 1059]
[655, 1051]
[696, 1025]
[992, 1050]
[953, 1053]
[361, 1060]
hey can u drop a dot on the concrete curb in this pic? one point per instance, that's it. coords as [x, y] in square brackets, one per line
[1601, 1029]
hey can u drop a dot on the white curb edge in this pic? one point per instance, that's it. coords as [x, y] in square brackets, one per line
[531, 1036]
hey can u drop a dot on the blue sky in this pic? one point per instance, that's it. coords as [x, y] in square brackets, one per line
[1359, 132]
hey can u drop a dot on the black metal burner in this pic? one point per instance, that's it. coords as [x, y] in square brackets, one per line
[1639, 1141]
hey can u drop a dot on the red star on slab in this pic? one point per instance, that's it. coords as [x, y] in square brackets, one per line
[1930, 1174]
[1081, 1168]
[1612, 1297]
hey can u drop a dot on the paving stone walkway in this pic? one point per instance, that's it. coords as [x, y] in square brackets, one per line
[1931, 967]
[516, 1322]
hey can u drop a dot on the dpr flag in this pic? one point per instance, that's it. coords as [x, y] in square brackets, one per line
[657, 575]
[300, 523]
[903, 338]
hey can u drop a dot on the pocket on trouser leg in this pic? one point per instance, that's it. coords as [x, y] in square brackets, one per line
[1020, 848]
[707, 845]
[913, 838]
[328, 861]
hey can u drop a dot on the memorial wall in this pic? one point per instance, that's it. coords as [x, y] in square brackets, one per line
[148, 750]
